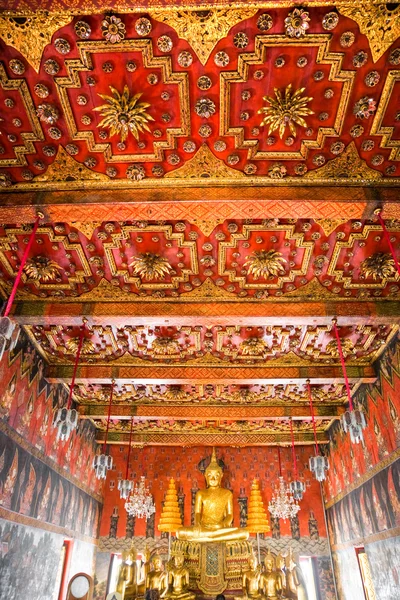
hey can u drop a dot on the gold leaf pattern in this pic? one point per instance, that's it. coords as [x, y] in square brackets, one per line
[348, 165]
[377, 22]
[203, 29]
[204, 164]
[66, 168]
[30, 35]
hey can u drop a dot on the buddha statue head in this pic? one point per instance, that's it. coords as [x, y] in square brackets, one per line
[253, 562]
[179, 559]
[269, 562]
[157, 562]
[213, 472]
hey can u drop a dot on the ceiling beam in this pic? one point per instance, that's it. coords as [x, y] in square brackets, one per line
[197, 411]
[151, 374]
[208, 313]
[211, 439]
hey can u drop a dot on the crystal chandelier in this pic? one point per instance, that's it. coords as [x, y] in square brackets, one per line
[296, 487]
[125, 485]
[353, 420]
[317, 464]
[140, 503]
[282, 505]
[104, 462]
[66, 419]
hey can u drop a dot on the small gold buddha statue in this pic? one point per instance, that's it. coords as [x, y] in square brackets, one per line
[251, 580]
[157, 578]
[213, 511]
[295, 584]
[271, 581]
[127, 576]
[178, 580]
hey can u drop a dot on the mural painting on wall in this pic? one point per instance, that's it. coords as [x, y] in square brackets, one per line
[241, 466]
[372, 508]
[381, 403]
[383, 558]
[30, 487]
[27, 406]
[29, 560]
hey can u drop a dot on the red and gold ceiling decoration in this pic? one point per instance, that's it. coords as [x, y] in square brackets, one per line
[278, 96]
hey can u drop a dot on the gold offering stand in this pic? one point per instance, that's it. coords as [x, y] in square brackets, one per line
[215, 567]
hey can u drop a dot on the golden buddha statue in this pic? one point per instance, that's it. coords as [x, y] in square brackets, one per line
[251, 580]
[295, 584]
[271, 580]
[178, 580]
[213, 511]
[127, 576]
[157, 578]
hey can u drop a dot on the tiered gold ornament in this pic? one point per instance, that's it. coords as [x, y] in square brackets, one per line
[257, 520]
[170, 519]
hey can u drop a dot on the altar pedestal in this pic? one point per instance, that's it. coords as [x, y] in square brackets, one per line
[217, 567]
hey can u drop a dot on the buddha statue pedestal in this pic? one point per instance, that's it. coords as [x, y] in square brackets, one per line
[215, 567]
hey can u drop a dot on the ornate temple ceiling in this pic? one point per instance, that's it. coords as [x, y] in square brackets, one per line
[211, 246]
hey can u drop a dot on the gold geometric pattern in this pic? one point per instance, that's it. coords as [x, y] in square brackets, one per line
[346, 165]
[380, 24]
[377, 127]
[205, 164]
[31, 35]
[203, 29]
[65, 167]
[258, 57]
[85, 63]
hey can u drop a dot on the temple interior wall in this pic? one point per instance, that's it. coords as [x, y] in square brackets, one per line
[48, 493]
[363, 488]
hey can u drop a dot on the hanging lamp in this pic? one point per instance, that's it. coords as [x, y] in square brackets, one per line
[66, 418]
[353, 420]
[103, 462]
[296, 486]
[125, 485]
[140, 503]
[282, 505]
[7, 326]
[318, 464]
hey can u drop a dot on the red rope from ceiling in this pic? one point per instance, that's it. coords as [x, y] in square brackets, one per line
[108, 418]
[313, 417]
[78, 354]
[129, 449]
[346, 380]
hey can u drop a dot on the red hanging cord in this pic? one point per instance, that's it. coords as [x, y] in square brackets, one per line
[21, 266]
[343, 365]
[129, 449]
[293, 451]
[78, 354]
[279, 462]
[313, 417]
[108, 417]
[387, 236]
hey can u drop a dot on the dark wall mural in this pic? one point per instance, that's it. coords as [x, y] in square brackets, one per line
[30, 487]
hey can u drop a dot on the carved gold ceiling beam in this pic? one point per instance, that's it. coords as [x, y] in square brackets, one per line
[208, 312]
[234, 413]
[223, 439]
[318, 374]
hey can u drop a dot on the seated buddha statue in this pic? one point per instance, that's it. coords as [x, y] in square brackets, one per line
[213, 511]
[178, 580]
[157, 578]
[127, 583]
[271, 584]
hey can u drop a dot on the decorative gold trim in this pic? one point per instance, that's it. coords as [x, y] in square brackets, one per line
[258, 57]
[87, 229]
[377, 128]
[203, 165]
[389, 460]
[36, 135]
[350, 163]
[380, 24]
[164, 63]
[65, 167]
[204, 31]
[329, 225]
[32, 36]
